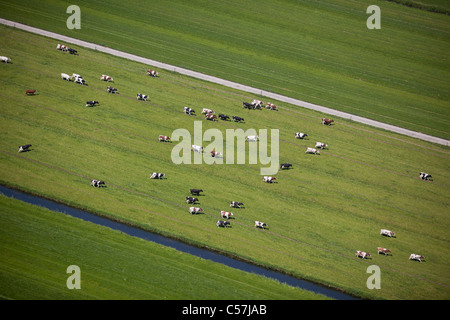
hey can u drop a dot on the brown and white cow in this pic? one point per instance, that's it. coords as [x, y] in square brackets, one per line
[383, 251]
[30, 92]
[327, 122]
[195, 210]
[226, 214]
[362, 254]
[164, 138]
[388, 233]
[416, 257]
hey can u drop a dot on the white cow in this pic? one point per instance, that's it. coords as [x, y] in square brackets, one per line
[226, 214]
[5, 59]
[198, 149]
[269, 179]
[259, 224]
[61, 47]
[416, 257]
[312, 151]
[207, 111]
[321, 145]
[362, 254]
[251, 138]
[300, 135]
[156, 175]
[195, 210]
[388, 233]
[66, 77]
[105, 77]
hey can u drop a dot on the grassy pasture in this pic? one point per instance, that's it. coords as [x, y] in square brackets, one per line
[319, 213]
[38, 245]
[317, 51]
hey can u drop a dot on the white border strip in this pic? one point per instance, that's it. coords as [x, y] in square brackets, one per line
[227, 83]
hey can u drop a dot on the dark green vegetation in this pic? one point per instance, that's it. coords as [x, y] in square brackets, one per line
[319, 213]
[38, 245]
[317, 51]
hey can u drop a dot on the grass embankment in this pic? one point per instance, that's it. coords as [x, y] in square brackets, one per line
[319, 213]
[317, 51]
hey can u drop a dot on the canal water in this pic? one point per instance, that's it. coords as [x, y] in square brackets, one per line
[178, 245]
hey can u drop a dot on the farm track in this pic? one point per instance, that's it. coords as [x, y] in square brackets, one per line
[230, 84]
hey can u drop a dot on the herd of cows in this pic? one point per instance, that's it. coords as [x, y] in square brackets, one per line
[210, 115]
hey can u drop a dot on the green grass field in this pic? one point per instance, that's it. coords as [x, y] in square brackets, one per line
[317, 51]
[38, 245]
[319, 213]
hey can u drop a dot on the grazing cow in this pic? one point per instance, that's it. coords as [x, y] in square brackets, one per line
[425, 176]
[269, 179]
[61, 47]
[156, 175]
[207, 111]
[195, 192]
[362, 254]
[388, 233]
[72, 51]
[251, 138]
[327, 121]
[383, 251]
[237, 119]
[164, 138]
[65, 76]
[141, 96]
[189, 111]
[191, 200]
[152, 73]
[300, 135]
[98, 183]
[80, 81]
[91, 103]
[248, 105]
[271, 106]
[416, 257]
[224, 117]
[257, 104]
[224, 224]
[24, 148]
[321, 145]
[107, 78]
[259, 224]
[215, 154]
[195, 210]
[5, 59]
[285, 166]
[236, 204]
[226, 214]
[211, 117]
[111, 90]
[312, 151]
[198, 149]
[30, 92]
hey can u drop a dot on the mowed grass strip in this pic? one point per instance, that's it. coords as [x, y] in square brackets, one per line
[318, 51]
[319, 213]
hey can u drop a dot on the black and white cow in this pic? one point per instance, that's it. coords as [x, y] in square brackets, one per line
[98, 183]
[237, 119]
[141, 96]
[91, 103]
[24, 148]
[224, 117]
[189, 111]
[285, 166]
[111, 90]
[195, 192]
[425, 176]
[80, 81]
[191, 200]
[300, 135]
[156, 175]
[236, 204]
[259, 224]
[223, 224]
[248, 105]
